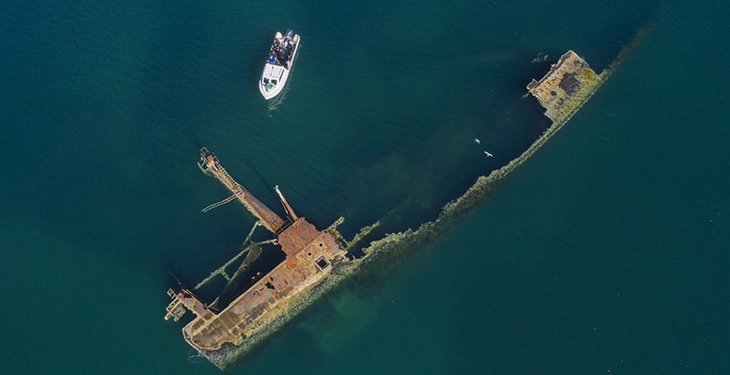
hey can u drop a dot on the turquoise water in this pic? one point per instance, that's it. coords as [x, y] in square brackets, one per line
[608, 250]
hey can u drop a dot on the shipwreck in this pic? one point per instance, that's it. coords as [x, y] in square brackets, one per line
[316, 260]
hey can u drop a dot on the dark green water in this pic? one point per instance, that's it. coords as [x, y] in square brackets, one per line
[607, 251]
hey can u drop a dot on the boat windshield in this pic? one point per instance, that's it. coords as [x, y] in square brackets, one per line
[273, 81]
[266, 80]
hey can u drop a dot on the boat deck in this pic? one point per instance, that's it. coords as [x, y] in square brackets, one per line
[567, 86]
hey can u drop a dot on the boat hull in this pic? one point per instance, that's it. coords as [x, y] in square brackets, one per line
[277, 71]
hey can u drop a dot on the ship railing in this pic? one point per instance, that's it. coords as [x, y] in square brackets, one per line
[286, 224]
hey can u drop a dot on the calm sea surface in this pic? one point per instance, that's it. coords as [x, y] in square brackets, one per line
[608, 251]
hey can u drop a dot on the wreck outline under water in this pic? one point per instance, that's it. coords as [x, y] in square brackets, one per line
[318, 260]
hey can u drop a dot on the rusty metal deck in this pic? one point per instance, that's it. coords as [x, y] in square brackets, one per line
[310, 255]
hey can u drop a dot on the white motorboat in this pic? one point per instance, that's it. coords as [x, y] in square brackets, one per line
[279, 64]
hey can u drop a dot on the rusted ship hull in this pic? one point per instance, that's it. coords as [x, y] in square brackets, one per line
[311, 256]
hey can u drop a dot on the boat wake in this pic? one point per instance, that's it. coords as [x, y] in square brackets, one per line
[274, 103]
